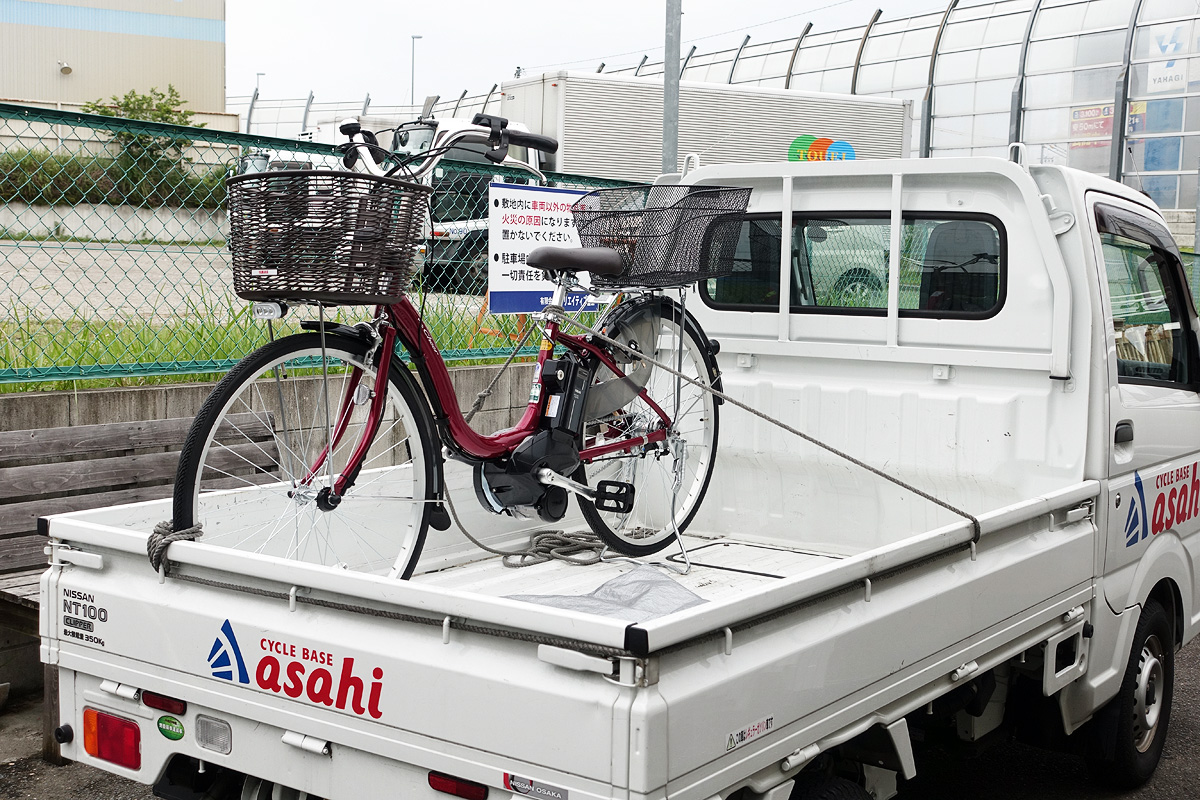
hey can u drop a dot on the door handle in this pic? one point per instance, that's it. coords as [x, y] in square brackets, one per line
[1124, 433]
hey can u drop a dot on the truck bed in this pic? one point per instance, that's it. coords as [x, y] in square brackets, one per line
[722, 568]
[453, 645]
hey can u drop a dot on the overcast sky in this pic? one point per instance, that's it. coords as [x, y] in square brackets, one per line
[342, 50]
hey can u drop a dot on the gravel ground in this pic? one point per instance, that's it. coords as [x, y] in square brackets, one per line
[1006, 772]
[24, 776]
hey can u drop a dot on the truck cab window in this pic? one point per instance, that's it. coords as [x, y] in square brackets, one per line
[839, 264]
[1148, 313]
[754, 283]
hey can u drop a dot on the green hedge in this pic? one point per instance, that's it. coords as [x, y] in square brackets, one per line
[40, 178]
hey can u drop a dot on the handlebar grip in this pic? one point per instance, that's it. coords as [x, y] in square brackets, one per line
[538, 142]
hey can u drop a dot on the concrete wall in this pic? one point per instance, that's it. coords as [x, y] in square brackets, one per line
[125, 223]
[1182, 223]
[95, 406]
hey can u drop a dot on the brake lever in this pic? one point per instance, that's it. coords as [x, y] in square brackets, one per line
[530, 168]
[498, 154]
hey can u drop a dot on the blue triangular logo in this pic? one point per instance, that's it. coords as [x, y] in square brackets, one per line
[1137, 525]
[219, 658]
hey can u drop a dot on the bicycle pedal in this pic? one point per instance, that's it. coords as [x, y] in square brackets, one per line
[614, 496]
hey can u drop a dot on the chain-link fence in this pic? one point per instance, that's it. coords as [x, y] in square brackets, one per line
[112, 249]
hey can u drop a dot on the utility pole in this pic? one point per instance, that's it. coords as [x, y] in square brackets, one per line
[412, 76]
[670, 142]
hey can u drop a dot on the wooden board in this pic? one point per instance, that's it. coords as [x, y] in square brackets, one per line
[20, 519]
[79, 440]
[21, 553]
[19, 600]
[22, 587]
[19, 483]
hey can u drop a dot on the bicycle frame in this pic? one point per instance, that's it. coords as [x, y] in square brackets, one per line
[406, 327]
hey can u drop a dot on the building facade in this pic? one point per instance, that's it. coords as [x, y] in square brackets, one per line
[67, 53]
[1108, 86]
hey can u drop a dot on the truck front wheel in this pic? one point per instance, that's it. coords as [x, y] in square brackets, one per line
[1131, 730]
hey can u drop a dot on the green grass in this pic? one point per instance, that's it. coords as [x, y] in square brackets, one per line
[142, 352]
[9, 234]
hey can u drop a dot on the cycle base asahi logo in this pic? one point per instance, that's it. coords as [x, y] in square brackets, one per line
[1176, 501]
[303, 672]
[225, 658]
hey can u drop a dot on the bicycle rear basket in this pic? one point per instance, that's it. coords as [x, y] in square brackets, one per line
[666, 235]
[321, 236]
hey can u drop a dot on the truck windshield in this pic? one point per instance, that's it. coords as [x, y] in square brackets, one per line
[412, 140]
[417, 139]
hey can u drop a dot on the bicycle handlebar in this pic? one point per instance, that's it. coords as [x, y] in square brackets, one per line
[534, 140]
[498, 136]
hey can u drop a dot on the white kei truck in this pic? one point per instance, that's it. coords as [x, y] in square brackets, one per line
[1031, 361]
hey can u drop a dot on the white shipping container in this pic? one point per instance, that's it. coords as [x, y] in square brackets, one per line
[611, 126]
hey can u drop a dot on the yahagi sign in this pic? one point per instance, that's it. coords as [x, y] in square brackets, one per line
[520, 220]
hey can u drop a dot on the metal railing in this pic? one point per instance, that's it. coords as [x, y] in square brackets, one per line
[112, 249]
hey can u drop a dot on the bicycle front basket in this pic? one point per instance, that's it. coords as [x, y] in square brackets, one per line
[666, 235]
[322, 236]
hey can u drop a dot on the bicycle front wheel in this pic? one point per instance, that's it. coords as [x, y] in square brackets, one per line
[246, 469]
[669, 478]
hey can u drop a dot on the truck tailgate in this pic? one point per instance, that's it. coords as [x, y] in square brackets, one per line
[354, 678]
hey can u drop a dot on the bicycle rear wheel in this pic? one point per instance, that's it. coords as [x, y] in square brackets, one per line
[669, 478]
[244, 471]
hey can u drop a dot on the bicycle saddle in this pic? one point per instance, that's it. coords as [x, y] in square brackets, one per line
[596, 260]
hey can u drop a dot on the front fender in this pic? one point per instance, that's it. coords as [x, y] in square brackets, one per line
[1166, 557]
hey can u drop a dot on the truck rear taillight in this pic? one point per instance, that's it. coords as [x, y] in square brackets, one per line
[164, 703]
[467, 790]
[112, 739]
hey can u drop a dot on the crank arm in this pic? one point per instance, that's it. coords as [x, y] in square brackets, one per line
[551, 478]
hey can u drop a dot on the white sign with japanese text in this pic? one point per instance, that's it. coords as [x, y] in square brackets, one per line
[520, 220]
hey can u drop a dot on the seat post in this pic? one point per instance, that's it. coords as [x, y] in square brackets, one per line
[558, 300]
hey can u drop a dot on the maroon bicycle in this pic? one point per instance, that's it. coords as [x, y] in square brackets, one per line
[328, 446]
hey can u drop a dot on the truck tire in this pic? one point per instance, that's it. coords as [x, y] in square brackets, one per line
[824, 788]
[1129, 732]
